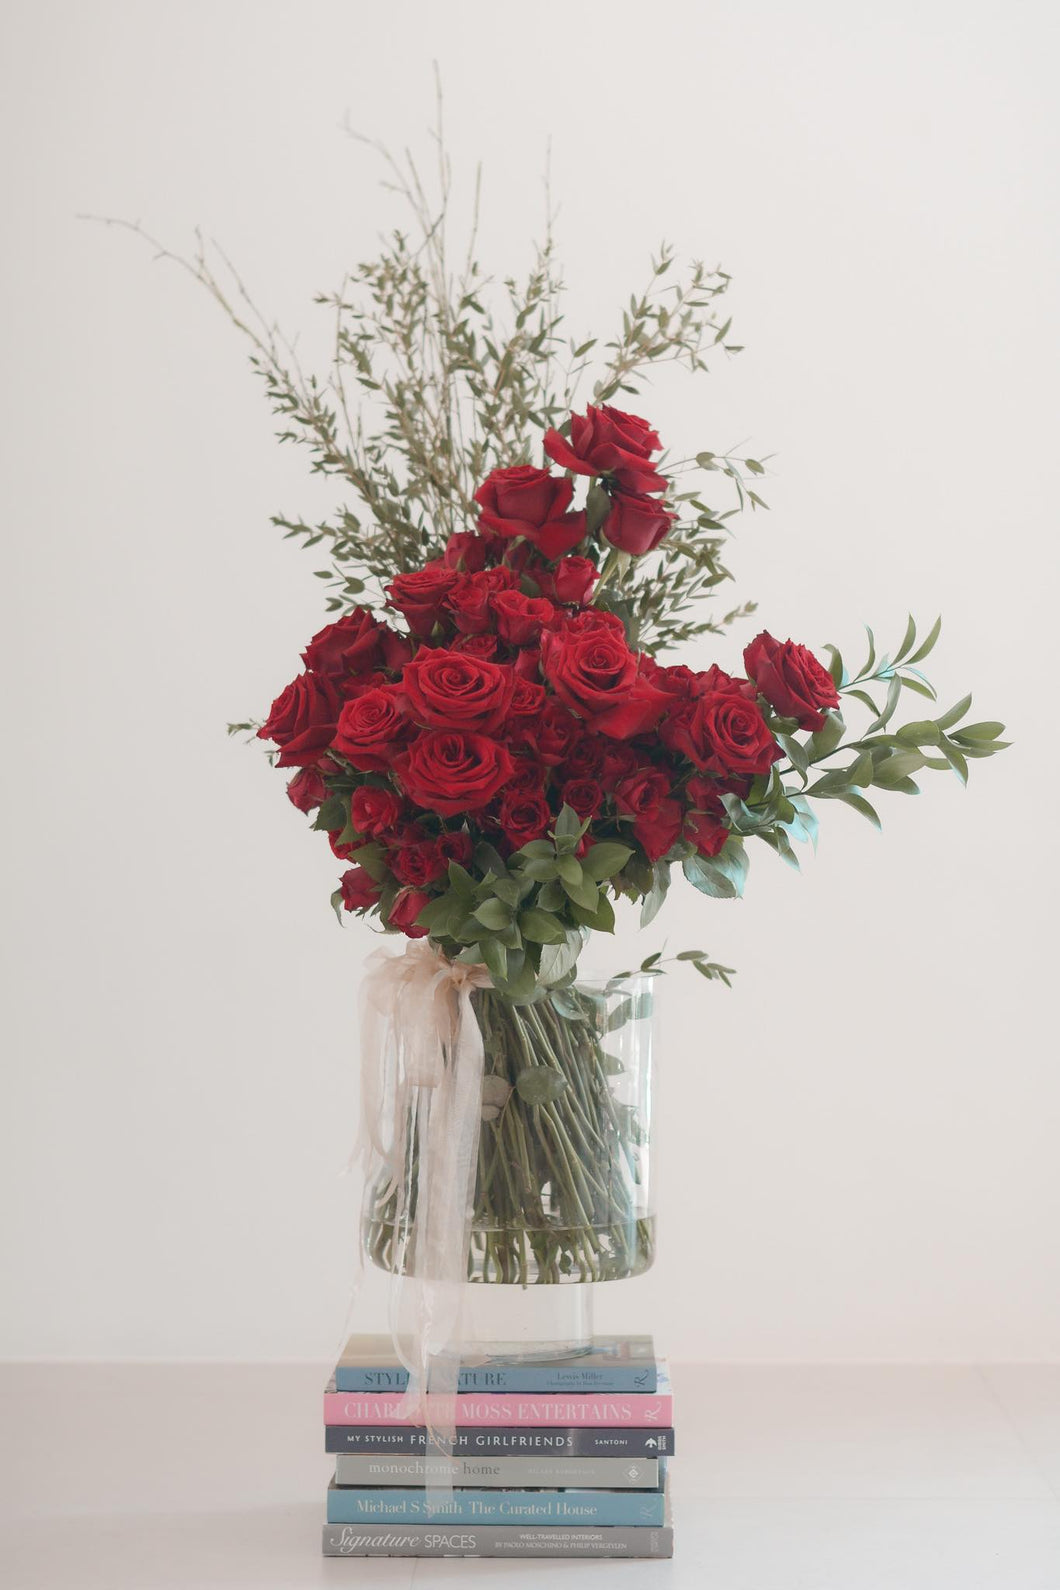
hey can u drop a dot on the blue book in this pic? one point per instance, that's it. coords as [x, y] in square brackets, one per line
[389, 1504]
[613, 1364]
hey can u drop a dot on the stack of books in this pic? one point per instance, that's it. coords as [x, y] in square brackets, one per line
[565, 1458]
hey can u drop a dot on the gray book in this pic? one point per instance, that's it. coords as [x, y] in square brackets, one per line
[548, 1470]
[496, 1540]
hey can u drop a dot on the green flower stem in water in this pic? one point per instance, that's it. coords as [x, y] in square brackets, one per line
[558, 1181]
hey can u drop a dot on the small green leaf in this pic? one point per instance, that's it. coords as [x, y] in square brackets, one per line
[955, 713]
[928, 644]
[860, 804]
[570, 870]
[540, 1084]
[908, 640]
[541, 928]
[603, 860]
[493, 914]
[496, 958]
[460, 879]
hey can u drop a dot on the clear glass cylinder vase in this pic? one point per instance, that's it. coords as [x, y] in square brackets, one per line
[563, 1190]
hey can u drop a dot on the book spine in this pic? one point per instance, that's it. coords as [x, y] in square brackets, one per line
[477, 1408]
[382, 1505]
[539, 1379]
[495, 1540]
[608, 1473]
[583, 1441]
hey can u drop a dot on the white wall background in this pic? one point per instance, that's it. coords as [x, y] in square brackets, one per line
[859, 1142]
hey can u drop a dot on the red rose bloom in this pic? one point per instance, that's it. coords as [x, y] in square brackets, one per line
[582, 795]
[594, 673]
[646, 797]
[468, 553]
[527, 774]
[404, 911]
[570, 582]
[550, 736]
[590, 618]
[705, 818]
[374, 809]
[520, 619]
[418, 864]
[636, 524]
[528, 698]
[522, 816]
[447, 690]
[352, 645]
[470, 602]
[605, 441]
[302, 721]
[794, 683]
[586, 758]
[420, 596]
[449, 771]
[455, 847]
[359, 890]
[527, 663]
[524, 501]
[721, 731]
[372, 728]
[476, 646]
[307, 789]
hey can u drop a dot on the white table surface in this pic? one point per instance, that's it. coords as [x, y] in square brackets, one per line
[198, 1477]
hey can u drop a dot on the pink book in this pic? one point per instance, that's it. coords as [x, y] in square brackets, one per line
[512, 1408]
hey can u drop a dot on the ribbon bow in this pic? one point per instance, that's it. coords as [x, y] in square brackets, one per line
[422, 1064]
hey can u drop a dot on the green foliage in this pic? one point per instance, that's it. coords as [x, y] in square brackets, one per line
[882, 756]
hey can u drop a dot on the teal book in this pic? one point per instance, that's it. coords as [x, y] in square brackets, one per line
[388, 1504]
[612, 1364]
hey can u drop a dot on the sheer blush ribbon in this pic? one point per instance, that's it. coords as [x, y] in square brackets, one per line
[422, 1063]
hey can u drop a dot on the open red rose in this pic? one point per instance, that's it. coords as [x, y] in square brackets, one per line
[524, 501]
[570, 582]
[449, 771]
[468, 553]
[404, 911]
[605, 441]
[418, 864]
[372, 728]
[476, 646]
[374, 809]
[647, 797]
[722, 731]
[302, 720]
[307, 789]
[550, 736]
[582, 795]
[794, 683]
[523, 815]
[520, 619]
[527, 773]
[528, 698]
[636, 524]
[359, 890]
[470, 602]
[705, 821]
[352, 645]
[594, 673]
[450, 690]
[457, 846]
[421, 595]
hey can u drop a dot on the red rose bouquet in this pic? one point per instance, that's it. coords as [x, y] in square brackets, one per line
[498, 737]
